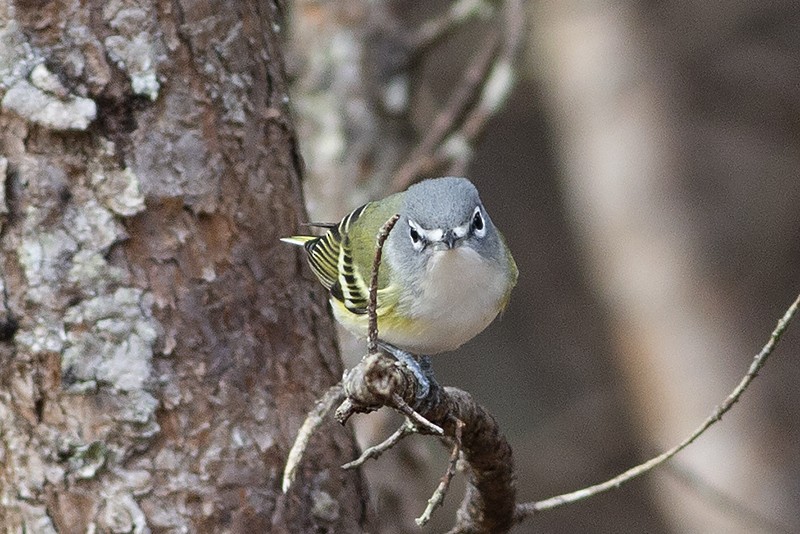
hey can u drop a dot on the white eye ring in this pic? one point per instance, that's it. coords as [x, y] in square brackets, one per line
[417, 238]
[478, 224]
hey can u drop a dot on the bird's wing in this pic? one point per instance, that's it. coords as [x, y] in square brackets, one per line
[345, 272]
[331, 261]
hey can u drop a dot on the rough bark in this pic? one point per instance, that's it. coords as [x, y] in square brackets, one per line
[159, 346]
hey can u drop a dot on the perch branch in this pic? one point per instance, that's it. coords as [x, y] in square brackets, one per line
[488, 505]
[527, 509]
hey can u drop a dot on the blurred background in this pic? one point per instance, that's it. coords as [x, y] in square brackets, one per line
[645, 169]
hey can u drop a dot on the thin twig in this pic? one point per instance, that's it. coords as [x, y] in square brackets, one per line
[422, 423]
[407, 428]
[527, 509]
[372, 306]
[441, 490]
[313, 420]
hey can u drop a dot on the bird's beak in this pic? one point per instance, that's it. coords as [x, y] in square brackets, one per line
[450, 240]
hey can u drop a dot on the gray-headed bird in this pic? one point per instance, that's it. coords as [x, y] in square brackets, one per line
[446, 271]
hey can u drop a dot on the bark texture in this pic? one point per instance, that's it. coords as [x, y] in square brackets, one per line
[159, 346]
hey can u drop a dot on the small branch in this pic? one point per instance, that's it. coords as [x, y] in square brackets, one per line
[313, 420]
[372, 306]
[441, 490]
[527, 509]
[422, 424]
[375, 451]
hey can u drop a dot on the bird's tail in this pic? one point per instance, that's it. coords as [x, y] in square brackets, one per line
[299, 240]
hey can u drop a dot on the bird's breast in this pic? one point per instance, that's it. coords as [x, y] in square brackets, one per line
[457, 296]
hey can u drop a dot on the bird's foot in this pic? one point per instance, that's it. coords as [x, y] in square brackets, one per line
[419, 365]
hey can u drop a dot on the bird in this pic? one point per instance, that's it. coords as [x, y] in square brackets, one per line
[447, 271]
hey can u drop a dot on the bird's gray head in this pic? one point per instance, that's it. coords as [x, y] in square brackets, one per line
[438, 215]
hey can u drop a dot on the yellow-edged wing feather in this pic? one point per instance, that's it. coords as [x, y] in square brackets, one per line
[342, 258]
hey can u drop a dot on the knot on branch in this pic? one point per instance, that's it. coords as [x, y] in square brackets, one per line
[372, 382]
[379, 380]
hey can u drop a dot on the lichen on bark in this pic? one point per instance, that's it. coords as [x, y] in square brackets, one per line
[162, 343]
[83, 345]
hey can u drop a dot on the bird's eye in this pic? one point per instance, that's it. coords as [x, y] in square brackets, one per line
[412, 232]
[477, 221]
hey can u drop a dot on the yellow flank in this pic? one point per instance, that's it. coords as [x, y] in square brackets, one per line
[391, 325]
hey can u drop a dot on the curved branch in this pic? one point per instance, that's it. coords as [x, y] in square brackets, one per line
[488, 505]
[526, 510]
[314, 419]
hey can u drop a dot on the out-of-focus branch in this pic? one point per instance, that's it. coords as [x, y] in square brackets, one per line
[526, 510]
[483, 88]
[356, 74]
[753, 520]
[434, 30]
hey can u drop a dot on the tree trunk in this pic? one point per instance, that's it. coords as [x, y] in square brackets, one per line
[160, 347]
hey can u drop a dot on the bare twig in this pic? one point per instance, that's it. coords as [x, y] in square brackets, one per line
[421, 422]
[527, 509]
[313, 420]
[372, 306]
[376, 450]
[441, 490]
